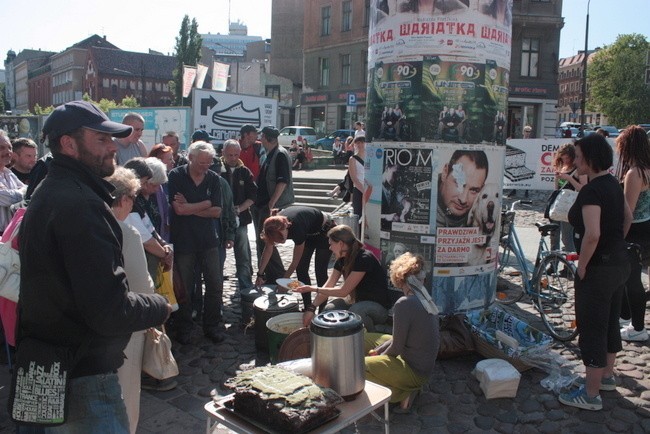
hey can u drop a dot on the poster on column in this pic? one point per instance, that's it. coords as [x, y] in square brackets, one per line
[442, 201]
[460, 51]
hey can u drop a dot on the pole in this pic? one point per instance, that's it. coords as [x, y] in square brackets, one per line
[583, 102]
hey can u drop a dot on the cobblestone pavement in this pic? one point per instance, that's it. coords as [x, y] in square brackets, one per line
[451, 402]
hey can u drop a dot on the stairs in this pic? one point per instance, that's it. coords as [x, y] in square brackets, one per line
[311, 191]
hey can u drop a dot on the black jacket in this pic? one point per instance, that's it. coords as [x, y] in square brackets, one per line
[243, 187]
[73, 287]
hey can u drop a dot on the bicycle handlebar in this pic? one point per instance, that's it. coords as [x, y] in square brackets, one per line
[514, 204]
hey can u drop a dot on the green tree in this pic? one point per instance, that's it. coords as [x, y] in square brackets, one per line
[2, 98]
[187, 52]
[616, 81]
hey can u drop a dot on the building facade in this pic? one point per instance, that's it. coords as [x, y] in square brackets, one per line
[335, 64]
[533, 99]
[571, 70]
[335, 55]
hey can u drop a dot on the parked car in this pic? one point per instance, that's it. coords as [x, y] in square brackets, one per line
[287, 134]
[326, 142]
[645, 127]
[612, 130]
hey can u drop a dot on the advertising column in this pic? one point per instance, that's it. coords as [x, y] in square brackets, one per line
[437, 103]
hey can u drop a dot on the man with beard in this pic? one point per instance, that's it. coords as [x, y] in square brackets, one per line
[24, 158]
[74, 296]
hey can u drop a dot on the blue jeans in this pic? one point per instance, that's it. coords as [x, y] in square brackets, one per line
[94, 405]
[242, 250]
[208, 265]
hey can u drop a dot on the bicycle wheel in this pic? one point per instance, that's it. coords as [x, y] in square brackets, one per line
[555, 296]
[510, 278]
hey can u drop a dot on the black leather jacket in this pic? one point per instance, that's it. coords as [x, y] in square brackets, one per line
[73, 287]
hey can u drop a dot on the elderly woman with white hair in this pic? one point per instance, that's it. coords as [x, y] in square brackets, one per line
[146, 216]
[404, 361]
[127, 185]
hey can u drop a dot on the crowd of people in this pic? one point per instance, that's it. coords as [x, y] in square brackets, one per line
[147, 210]
[107, 218]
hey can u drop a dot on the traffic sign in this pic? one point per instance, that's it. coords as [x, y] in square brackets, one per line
[352, 99]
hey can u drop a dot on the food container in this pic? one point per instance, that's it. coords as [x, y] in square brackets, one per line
[265, 308]
[278, 328]
[248, 297]
[337, 352]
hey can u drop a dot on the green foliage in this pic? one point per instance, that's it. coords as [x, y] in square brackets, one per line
[107, 104]
[616, 81]
[38, 110]
[187, 51]
[2, 97]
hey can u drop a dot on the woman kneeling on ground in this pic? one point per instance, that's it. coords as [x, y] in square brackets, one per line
[404, 361]
[362, 274]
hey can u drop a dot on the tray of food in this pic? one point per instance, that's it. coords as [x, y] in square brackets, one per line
[279, 401]
[289, 284]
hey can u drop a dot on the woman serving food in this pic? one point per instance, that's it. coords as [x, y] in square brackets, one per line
[307, 227]
[362, 274]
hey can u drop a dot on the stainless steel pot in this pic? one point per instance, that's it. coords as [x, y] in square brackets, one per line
[337, 352]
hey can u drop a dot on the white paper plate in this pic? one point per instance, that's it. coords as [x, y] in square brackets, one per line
[284, 283]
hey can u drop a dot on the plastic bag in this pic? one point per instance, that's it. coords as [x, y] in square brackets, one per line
[165, 286]
[561, 371]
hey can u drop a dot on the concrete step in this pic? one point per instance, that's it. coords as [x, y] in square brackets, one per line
[314, 186]
[320, 206]
[315, 199]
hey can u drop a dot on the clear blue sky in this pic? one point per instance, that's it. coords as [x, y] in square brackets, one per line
[137, 25]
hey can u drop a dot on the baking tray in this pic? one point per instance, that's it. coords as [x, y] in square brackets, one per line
[227, 404]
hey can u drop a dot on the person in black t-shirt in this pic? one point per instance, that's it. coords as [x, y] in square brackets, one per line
[307, 227]
[362, 274]
[600, 217]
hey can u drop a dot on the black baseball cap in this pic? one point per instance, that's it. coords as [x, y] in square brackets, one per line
[202, 135]
[270, 132]
[77, 114]
[248, 128]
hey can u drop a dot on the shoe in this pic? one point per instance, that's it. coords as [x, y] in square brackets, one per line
[629, 334]
[148, 383]
[578, 398]
[606, 384]
[213, 335]
[624, 322]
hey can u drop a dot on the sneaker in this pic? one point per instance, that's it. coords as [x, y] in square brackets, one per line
[629, 334]
[578, 398]
[624, 322]
[606, 384]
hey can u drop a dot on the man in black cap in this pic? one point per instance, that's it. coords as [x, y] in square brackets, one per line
[74, 294]
[275, 190]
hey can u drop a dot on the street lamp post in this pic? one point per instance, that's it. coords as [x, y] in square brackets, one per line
[583, 102]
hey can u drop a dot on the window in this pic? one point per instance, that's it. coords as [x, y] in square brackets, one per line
[326, 21]
[345, 69]
[366, 13]
[272, 91]
[346, 21]
[324, 71]
[529, 57]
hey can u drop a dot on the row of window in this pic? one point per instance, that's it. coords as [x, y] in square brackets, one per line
[570, 74]
[345, 62]
[346, 17]
[575, 86]
[134, 85]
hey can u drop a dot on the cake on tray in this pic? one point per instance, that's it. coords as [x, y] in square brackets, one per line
[282, 400]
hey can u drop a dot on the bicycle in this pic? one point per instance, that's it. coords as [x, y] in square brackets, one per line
[550, 282]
